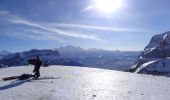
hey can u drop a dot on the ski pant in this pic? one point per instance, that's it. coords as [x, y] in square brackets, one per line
[37, 71]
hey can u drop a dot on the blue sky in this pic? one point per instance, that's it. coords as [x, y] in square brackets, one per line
[47, 24]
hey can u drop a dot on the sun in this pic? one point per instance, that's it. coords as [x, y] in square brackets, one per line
[108, 6]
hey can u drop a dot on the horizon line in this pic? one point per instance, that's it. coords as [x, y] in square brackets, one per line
[55, 48]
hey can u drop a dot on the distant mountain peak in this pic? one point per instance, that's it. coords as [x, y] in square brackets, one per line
[158, 44]
[3, 53]
[70, 48]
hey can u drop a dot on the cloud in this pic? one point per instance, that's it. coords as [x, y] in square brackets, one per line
[88, 8]
[55, 31]
[100, 28]
[45, 29]
[51, 29]
[3, 12]
[35, 35]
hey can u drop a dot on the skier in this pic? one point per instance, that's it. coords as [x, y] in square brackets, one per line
[37, 66]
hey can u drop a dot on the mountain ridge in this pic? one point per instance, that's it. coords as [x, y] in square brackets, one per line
[76, 56]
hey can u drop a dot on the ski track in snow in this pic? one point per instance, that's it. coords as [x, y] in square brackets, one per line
[75, 83]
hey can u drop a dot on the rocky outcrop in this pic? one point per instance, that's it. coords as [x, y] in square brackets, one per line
[155, 57]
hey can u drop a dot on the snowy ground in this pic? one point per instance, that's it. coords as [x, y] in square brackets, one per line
[74, 83]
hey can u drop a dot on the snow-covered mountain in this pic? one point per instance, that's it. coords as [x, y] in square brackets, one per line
[47, 56]
[76, 56]
[71, 51]
[155, 59]
[99, 58]
[3, 53]
[79, 83]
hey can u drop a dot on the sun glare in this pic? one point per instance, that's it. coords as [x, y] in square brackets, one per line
[108, 6]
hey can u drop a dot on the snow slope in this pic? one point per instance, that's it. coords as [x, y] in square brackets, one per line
[159, 66]
[78, 83]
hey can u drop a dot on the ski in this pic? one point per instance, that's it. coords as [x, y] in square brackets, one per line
[20, 77]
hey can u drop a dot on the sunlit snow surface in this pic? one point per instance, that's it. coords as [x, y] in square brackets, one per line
[74, 83]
